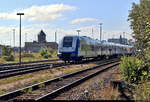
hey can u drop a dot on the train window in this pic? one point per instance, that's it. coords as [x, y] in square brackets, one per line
[92, 47]
[67, 42]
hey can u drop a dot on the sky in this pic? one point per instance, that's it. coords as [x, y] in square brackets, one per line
[64, 17]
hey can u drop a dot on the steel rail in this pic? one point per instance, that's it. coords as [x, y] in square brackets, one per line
[22, 66]
[57, 92]
[29, 62]
[21, 71]
[13, 94]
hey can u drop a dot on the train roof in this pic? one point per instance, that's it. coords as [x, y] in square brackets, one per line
[116, 44]
[98, 41]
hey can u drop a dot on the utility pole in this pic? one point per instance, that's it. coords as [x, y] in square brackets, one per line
[25, 37]
[78, 31]
[100, 31]
[124, 41]
[123, 34]
[20, 38]
[56, 36]
[10, 40]
[25, 42]
[14, 36]
[92, 34]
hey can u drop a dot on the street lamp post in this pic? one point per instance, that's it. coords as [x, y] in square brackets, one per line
[100, 31]
[78, 31]
[20, 38]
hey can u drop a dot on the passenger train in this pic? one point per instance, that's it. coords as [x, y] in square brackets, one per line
[76, 48]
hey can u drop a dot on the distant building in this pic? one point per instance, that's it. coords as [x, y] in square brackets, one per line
[35, 46]
[42, 37]
[119, 41]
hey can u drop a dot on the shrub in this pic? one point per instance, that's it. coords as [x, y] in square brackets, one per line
[133, 70]
[43, 52]
[9, 58]
[46, 53]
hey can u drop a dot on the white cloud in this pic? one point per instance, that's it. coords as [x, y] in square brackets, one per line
[40, 13]
[82, 20]
[8, 15]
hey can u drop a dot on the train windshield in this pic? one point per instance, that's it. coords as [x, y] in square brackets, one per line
[67, 42]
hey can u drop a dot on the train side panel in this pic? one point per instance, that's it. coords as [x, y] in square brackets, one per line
[76, 48]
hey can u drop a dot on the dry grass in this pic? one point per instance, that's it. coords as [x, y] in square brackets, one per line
[111, 93]
[24, 59]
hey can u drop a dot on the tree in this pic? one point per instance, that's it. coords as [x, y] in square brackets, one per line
[6, 51]
[7, 54]
[139, 17]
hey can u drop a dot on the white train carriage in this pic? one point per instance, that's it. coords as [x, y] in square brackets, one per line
[77, 48]
[88, 47]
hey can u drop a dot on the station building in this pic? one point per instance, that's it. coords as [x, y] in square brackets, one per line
[35, 46]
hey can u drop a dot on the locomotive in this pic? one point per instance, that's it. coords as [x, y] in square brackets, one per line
[76, 48]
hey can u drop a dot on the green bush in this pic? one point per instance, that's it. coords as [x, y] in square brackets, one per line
[46, 53]
[27, 55]
[9, 58]
[133, 70]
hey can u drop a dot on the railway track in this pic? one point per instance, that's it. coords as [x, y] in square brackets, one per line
[14, 69]
[24, 69]
[29, 62]
[50, 89]
[27, 69]
[24, 64]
